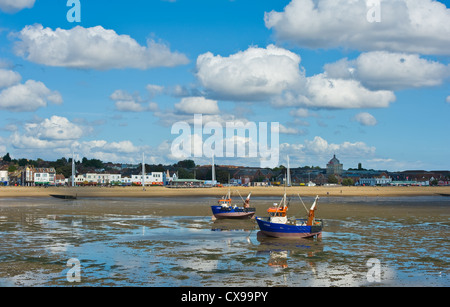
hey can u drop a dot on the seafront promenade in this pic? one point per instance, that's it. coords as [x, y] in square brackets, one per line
[389, 191]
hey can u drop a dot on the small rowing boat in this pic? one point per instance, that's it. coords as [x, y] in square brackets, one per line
[70, 197]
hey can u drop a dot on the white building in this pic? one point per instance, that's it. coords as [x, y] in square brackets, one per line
[383, 180]
[4, 178]
[125, 180]
[107, 179]
[153, 178]
[28, 176]
[102, 179]
[44, 179]
[373, 181]
[44, 176]
[367, 181]
[60, 180]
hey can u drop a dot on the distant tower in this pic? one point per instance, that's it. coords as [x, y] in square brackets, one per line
[213, 172]
[73, 169]
[143, 172]
[334, 167]
[288, 175]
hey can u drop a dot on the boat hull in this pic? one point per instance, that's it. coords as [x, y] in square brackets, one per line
[70, 197]
[288, 231]
[232, 213]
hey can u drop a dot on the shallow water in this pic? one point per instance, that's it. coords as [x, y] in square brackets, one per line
[174, 242]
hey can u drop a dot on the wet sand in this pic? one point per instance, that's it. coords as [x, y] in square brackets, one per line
[160, 241]
[10, 192]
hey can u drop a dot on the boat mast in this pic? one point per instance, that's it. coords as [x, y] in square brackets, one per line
[311, 212]
[288, 175]
[73, 169]
[213, 172]
[247, 201]
[143, 173]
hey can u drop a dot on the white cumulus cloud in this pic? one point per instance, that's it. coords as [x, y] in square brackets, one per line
[8, 78]
[414, 26]
[392, 71]
[50, 133]
[253, 74]
[54, 128]
[319, 151]
[95, 48]
[125, 147]
[13, 6]
[197, 105]
[365, 119]
[126, 102]
[329, 93]
[28, 97]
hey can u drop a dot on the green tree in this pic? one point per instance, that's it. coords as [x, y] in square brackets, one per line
[332, 179]
[95, 163]
[222, 175]
[7, 158]
[185, 164]
[22, 162]
[185, 174]
[348, 182]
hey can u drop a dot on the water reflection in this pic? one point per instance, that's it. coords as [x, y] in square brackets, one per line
[119, 246]
[234, 225]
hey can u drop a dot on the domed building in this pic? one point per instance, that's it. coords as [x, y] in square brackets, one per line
[334, 167]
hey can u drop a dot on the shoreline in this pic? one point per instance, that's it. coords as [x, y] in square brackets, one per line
[138, 192]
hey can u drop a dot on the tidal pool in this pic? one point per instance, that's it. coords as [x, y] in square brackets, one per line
[174, 242]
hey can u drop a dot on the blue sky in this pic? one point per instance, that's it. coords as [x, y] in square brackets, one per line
[112, 86]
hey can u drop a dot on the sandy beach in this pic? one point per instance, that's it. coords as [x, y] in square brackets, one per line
[125, 236]
[9, 192]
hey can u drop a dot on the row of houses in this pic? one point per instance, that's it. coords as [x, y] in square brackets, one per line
[153, 178]
[31, 176]
[305, 177]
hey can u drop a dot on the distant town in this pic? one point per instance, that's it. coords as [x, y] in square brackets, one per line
[94, 172]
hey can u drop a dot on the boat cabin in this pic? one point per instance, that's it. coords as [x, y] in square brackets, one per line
[225, 202]
[277, 213]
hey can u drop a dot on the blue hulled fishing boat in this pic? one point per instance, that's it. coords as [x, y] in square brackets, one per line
[225, 210]
[278, 225]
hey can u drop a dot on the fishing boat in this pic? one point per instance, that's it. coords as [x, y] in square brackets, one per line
[225, 210]
[278, 225]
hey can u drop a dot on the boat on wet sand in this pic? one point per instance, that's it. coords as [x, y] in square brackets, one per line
[64, 196]
[278, 225]
[225, 210]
